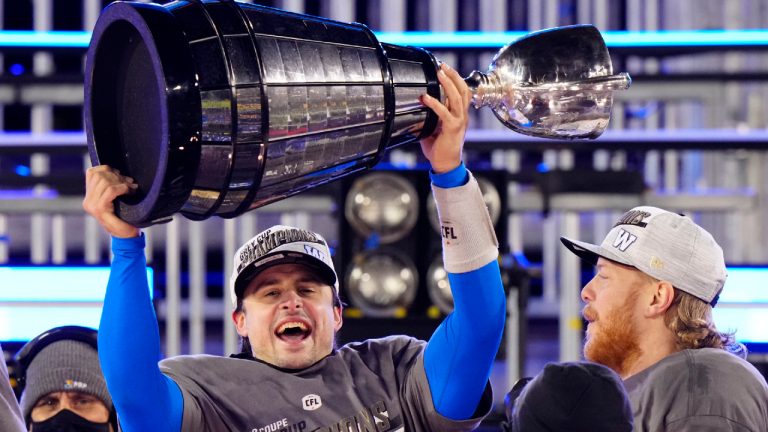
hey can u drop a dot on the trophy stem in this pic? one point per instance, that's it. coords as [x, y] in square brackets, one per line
[486, 89]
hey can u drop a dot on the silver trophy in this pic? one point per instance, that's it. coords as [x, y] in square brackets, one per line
[220, 107]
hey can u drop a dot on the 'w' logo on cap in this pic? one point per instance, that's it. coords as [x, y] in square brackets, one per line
[624, 240]
[314, 252]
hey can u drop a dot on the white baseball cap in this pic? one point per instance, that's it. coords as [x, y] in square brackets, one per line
[281, 244]
[664, 245]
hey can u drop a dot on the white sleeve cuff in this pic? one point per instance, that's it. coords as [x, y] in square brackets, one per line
[469, 241]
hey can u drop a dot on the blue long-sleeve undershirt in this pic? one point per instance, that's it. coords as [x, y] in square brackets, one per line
[129, 346]
[457, 359]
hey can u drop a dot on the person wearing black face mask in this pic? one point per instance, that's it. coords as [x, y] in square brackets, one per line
[69, 412]
[63, 386]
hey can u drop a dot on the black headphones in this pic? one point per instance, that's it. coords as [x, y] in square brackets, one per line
[31, 349]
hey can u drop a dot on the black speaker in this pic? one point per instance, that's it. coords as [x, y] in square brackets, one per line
[383, 233]
[390, 253]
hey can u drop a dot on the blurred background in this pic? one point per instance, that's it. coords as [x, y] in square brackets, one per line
[690, 135]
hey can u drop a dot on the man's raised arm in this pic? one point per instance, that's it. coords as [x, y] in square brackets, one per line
[460, 353]
[129, 339]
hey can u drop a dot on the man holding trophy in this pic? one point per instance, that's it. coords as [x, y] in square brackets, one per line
[218, 108]
[294, 379]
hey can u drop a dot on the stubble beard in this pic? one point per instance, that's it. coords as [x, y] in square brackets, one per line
[615, 343]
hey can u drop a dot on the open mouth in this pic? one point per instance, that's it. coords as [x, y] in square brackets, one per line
[293, 331]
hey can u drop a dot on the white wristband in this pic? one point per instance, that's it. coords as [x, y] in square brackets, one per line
[469, 241]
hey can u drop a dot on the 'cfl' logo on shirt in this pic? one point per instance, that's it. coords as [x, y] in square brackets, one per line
[624, 240]
[311, 402]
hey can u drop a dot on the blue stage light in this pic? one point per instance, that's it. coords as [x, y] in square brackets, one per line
[743, 306]
[23, 170]
[613, 39]
[36, 298]
[16, 69]
[746, 284]
[52, 39]
[463, 39]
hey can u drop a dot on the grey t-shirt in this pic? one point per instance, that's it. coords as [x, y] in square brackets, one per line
[378, 385]
[10, 413]
[699, 390]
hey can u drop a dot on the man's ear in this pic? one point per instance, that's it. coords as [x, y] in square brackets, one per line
[663, 296]
[338, 319]
[239, 319]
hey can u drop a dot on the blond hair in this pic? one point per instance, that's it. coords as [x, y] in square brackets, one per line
[690, 319]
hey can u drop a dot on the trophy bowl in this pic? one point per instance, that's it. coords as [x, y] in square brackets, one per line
[221, 107]
[554, 83]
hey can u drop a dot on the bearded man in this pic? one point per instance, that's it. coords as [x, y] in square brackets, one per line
[649, 309]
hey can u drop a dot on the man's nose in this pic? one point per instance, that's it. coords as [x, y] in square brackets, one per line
[291, 300]
[587, 294]
[64, 403]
